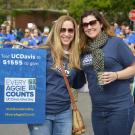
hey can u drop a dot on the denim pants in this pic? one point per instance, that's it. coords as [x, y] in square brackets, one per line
[113, 122]
[59, 124]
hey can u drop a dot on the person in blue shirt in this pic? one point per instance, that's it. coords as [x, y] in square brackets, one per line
[45, 34]
[108, 64]
[117, 29]
[27, 40]
[63, 48]
[11, 38]
[130, 37]
[4, 39]
[36, 36]
[19, 34]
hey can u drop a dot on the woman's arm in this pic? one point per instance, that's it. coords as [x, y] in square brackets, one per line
[127, 72]
[79, 80]
[108, 77]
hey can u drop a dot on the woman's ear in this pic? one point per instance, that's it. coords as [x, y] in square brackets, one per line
[101, 25]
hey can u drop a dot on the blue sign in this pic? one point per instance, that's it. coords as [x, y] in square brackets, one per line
[22, 86]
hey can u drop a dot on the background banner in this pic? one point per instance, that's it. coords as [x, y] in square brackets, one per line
[22, 86]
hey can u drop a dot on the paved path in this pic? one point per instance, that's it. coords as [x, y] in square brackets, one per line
[84, 106]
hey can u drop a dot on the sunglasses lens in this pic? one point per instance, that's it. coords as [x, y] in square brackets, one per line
[91, 23]
[70, 30]
[63, 30]
[85, 24]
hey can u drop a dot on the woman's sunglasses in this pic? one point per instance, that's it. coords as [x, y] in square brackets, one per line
[70, 30]
[91, 23]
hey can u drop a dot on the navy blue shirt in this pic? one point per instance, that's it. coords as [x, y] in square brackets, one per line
[57, 97]
[116, 95]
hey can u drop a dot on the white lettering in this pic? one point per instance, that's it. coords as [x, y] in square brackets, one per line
[23, 56]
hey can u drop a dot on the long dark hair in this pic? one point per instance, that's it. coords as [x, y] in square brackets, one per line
[101, 19]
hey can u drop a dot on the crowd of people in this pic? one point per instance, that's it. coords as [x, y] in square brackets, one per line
[125, 31]
[31, 37]
[101, 53]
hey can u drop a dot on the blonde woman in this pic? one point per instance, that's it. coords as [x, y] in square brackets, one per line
[63, 49]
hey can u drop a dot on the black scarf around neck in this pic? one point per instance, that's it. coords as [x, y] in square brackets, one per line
[95, 47]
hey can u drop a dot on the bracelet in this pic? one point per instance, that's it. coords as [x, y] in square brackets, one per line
[117, 77]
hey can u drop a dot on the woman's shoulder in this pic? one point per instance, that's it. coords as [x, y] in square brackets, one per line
[115, 39]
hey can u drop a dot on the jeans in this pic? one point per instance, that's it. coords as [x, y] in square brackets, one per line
[59, 124]
[113, 122]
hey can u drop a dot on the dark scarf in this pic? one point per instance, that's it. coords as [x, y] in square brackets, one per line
[94, 46]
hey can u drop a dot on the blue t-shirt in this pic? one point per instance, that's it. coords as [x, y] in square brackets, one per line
[28, 41]
[116, 95]
[130, 39]
[118, 31]
[37, 39]
[3, 38]
[57, 97]
[10, 37]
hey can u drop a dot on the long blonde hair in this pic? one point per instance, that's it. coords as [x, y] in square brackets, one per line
[57, 50]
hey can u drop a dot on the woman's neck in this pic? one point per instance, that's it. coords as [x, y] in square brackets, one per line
[66, 48]
[66, 51]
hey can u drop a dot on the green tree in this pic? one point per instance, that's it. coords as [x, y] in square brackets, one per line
[115, 10]
[80, 6]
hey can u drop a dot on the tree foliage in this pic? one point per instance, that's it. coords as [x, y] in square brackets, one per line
[114, 9]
